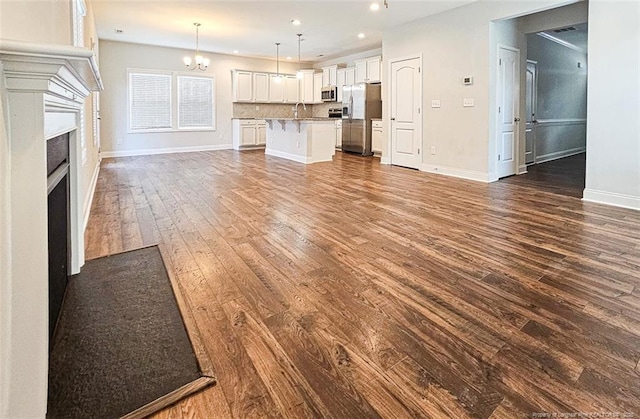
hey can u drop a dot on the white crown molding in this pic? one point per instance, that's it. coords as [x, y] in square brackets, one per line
[62, 71]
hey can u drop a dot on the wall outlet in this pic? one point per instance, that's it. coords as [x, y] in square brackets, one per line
[435, 103]
[433, 149]
[297, 144]
[257, 107]
[468, 102]
[221, 137]
[119, 141]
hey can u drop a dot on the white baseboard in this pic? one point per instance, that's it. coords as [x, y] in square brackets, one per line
[168, 150]
[612, 198]
[385, 160]
[288, 156]
[522, 169]
[88, 200]
[459, 173]
[560, 154]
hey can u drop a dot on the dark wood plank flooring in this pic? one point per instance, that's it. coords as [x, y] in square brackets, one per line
[351, 289]
[563, 176]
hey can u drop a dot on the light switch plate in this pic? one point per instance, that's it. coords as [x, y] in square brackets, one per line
[468, 102]
[435, 103]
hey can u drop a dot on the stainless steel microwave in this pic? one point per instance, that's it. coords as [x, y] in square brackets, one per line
[329, 94]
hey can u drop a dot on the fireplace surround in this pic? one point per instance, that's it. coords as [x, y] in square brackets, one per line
[43, 88]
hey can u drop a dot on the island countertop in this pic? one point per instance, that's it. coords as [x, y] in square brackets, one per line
[316, 118]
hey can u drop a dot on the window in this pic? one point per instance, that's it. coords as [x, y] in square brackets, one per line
[79, 12]
[195, 102]
[164, 101]
[149, 101]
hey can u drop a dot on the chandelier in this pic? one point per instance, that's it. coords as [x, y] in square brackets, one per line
[198, 60]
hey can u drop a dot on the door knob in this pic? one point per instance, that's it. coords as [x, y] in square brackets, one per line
[393, 119]
[516, 119]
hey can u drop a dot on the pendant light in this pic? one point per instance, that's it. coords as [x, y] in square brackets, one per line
[299, 73]
[278, 76]
[198, 60]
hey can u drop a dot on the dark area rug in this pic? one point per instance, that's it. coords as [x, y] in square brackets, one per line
[120, 342]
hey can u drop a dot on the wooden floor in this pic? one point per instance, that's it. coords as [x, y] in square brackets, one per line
[351, 289]
[563, 176]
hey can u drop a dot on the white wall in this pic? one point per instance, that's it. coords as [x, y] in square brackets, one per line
[613, 121]
[39, 21]
[116, 57]
[562, 98]
[348, 60]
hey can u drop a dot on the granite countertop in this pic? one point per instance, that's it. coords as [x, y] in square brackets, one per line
[376, 119]
[317, 118]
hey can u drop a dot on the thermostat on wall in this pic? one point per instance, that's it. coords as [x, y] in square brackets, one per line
[467, 80]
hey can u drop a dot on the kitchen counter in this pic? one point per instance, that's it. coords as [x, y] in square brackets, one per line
[305, 140]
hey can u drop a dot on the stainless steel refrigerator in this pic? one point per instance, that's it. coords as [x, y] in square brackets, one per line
[360, 103]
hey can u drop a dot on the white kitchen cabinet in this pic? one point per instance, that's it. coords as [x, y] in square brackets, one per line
[242, 86]
[361, 71]
[291, 89]
[317, 88]
[339, 134]
[330, 75]
[307, 86]
[248, 133]
[344, 77]
[276, 88]
[376, 137]
[369, 70]
[260, 87]
[261, 132]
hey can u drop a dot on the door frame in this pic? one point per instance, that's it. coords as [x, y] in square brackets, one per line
[516, 112]
[534, 111]
[388, 128]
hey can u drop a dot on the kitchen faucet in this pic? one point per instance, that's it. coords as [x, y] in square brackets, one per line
[295, 112]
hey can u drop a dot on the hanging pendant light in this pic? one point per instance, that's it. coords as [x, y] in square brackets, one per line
[299, 73]
[198, 60]
[279, 77]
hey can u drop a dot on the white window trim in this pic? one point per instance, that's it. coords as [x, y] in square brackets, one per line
[174, 102]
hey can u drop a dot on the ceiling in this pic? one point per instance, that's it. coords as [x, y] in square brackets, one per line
[330, 28]
[574, 36]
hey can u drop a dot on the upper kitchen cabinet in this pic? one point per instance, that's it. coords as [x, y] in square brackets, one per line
[276, 88]
[291, 89]
[242, 86]
[307, 88]
[330, 75]
[317, 88]
[369, 70]
[260, 87]
[345, 77]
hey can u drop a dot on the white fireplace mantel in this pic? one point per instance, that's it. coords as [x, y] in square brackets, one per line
[44, 88]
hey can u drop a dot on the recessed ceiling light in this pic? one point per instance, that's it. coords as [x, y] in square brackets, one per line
[288, 58]
[361, 35]
[235, 51]
[295, 22]
[374, 6]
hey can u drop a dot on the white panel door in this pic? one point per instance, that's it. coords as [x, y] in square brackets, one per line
[406, 122]
[530, 113]
[508, 112]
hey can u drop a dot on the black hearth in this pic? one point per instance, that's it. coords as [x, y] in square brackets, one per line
[58, 213]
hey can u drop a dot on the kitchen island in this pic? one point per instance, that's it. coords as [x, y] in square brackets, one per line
[305, 140]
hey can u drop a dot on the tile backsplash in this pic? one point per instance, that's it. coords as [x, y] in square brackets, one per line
[271, 110]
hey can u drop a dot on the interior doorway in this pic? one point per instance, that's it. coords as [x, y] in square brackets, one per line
[554, 103]
[508, 94]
